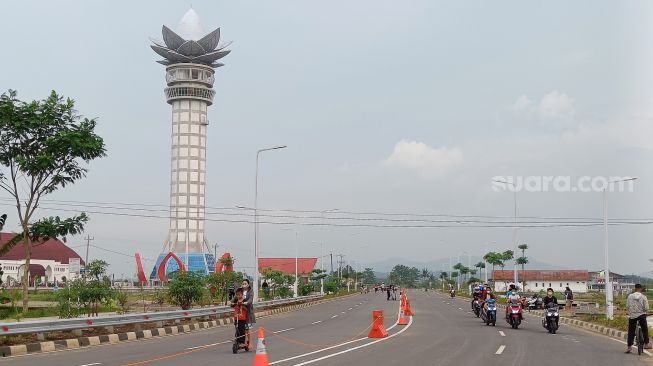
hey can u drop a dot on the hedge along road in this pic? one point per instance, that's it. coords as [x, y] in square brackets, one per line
[297, 332]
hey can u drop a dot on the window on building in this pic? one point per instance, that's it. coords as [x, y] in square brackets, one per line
[535, 284]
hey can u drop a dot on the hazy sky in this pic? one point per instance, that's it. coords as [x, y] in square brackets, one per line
[386, 106]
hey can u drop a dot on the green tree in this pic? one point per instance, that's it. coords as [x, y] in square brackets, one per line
[523, 260]
[95, 288]
[494, 259]
[404, 276]
[480, 266]
[280, 283]
[368, 276]
[220, 282]
[43, 145]
[186, 288]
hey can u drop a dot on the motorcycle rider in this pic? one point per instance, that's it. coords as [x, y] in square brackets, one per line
[549, 300]
[512, 294]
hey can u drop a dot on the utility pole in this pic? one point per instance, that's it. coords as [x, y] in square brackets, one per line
[331, 255]
[340, 262]
[88, 243]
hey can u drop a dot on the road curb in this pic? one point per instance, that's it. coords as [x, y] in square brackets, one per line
[83, 342]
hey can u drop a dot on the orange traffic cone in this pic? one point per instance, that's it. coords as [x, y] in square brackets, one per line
[407, 310]
[261, 358]
[402, 318]
[378, 327]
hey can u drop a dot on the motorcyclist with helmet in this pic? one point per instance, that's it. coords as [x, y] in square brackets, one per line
[512, 295]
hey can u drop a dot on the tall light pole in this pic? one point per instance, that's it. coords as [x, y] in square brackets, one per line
[609, 296]
[514, 231]
[256, 274]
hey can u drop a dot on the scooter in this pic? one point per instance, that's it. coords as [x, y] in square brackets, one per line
[452, 293]
[489, 312]
[551, 318]
[535, 303]
[476, 307]
[514, 315]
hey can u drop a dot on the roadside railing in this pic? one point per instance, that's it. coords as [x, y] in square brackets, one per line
[45, 326]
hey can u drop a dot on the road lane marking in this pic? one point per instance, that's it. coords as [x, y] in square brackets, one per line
[500, 350]
[349, 309]
[410, 322]
[317, 322]
[282, 330]
[206, 345]
[502, 333]
[342, 312]
[335, 316]
[334, 346]
[91, 364]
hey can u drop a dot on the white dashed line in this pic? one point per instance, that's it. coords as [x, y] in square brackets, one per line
[500, 350]
[91, 364]
[317, 322]
[283, 330]
[335, 316]
[349, 309]
[502, 333]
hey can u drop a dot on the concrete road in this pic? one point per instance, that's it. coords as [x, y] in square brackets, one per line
[443, 332]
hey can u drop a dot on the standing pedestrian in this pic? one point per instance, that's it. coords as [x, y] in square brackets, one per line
[637, 309]
[569, 299]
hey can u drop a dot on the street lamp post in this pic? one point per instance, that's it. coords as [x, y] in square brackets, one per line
[514, 231]
[256, 274]
[609, 296]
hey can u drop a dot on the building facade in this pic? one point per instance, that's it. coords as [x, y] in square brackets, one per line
[52, 262]
[540, 280]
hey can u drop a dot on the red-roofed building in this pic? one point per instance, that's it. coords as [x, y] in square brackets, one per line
[540, 280]
[52, 261]
[287, 265]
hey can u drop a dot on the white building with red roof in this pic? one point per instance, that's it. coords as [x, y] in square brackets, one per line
[540, 280]
[51, 262]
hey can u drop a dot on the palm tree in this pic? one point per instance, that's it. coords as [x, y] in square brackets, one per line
[495, 259]
[480, 266]
[523, 260]
[506, 256]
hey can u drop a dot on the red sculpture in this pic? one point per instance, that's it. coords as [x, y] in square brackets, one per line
[139, 266]
[219, 266]
[162, 266]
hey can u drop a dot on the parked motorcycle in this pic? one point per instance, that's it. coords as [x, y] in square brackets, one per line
[489, 312]
[534, 303]
[514, 316]
[551, 318]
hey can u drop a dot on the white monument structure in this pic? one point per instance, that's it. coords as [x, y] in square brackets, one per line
[190, 58]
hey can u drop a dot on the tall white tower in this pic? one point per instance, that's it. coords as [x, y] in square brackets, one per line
[190, 57]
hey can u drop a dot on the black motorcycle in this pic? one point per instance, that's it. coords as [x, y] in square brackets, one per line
[551, 318]
[476, 307]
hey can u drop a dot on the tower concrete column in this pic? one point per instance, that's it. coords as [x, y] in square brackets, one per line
[189, 93]
[190, 57]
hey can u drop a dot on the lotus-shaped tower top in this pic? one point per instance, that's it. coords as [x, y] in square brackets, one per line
[190, 45]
